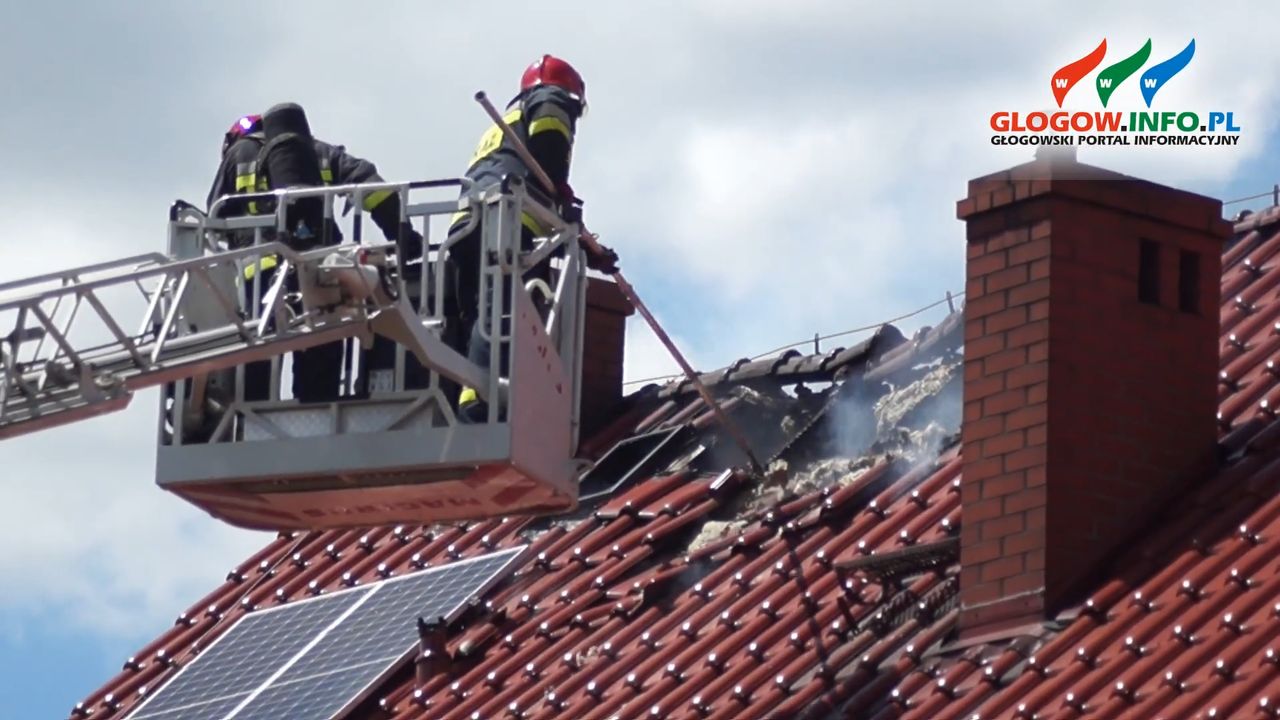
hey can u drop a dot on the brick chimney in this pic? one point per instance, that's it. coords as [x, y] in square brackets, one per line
[1091, 353]
[603, 345]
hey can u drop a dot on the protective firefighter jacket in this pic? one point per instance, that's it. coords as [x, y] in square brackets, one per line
[239, 174]
[545, 118]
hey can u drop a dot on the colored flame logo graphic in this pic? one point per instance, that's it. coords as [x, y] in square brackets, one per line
[1157, 75]
[1110, 78]
[1067, 77]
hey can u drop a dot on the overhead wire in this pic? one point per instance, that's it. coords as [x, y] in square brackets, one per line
[852, 331]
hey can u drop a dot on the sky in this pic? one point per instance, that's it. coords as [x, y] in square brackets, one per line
[765, 170]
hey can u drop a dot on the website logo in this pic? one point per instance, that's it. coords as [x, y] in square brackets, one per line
[1112, 126]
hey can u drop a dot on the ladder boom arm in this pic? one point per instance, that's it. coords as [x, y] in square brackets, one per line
[50, 376]
[78, 343]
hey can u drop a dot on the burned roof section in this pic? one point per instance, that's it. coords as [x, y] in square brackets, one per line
[794, 367]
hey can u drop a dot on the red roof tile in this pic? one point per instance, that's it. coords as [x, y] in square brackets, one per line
[622, 613]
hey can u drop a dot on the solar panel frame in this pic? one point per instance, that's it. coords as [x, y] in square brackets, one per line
[499, 564]
[215, 709]
[161, 706]
[626, 460]
[390, 660]
[325, 696]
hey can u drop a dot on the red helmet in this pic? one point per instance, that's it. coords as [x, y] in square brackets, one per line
[244, 126]
[551, 70]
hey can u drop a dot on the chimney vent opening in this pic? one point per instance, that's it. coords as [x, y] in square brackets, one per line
[1189, 282]
[1149, 272]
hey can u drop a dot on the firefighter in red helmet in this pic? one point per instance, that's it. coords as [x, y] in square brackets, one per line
[544, 114]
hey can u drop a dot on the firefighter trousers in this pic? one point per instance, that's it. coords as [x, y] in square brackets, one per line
[317, 371]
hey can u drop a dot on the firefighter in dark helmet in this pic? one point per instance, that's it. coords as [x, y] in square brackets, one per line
[239, 173]
[544, 114]
[276, 150]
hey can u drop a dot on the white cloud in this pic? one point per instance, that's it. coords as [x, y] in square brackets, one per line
[95, 543]
[819, 195]
[747, 185]
[646, 357]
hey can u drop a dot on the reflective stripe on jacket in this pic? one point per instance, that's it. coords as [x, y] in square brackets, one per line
[545, 119]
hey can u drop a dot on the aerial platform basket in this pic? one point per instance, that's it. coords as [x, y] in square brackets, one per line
[397, 454]
[390, 450]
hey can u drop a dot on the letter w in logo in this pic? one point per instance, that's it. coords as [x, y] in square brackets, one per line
[1068, 76]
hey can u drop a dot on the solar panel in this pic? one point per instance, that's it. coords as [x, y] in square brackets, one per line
[318, 697]
[368, 644]
[244, 657]
[624, 462]
[316, 658]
